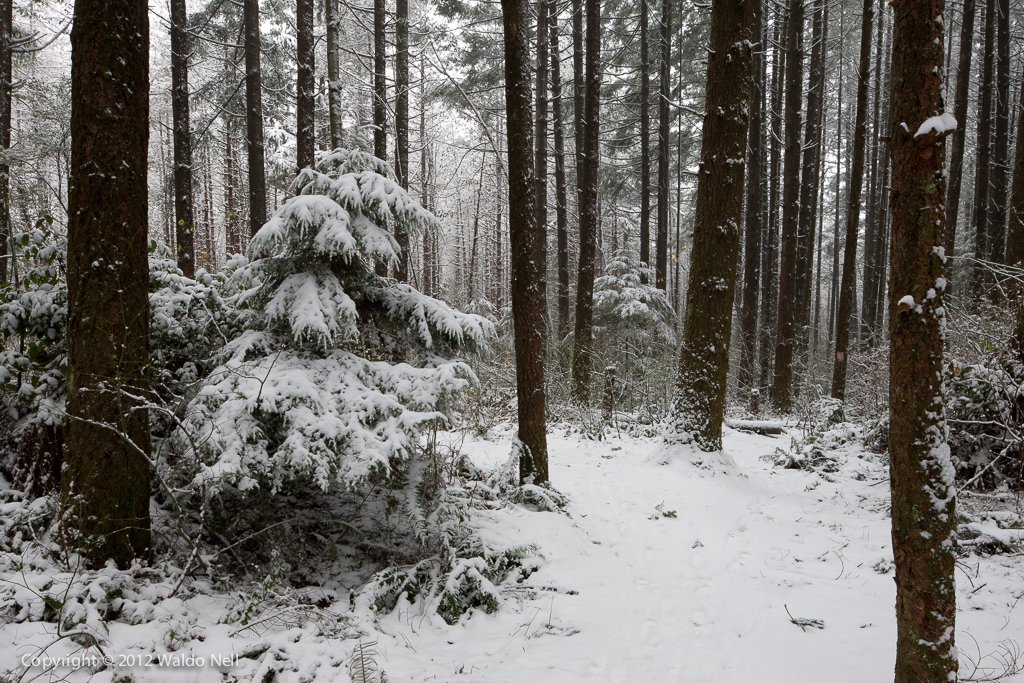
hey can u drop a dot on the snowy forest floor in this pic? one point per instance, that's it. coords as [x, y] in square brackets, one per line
[660, 571]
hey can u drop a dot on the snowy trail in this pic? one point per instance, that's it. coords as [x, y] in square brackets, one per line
[701, 596]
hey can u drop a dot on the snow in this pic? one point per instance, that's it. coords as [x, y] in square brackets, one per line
[939, 125]
[660, 571]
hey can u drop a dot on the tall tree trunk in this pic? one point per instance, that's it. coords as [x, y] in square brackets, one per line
[963, 90]
[661, 245]
[232, 229]
[527, 304]
[578, 90]
[184, 220]
[996, 237]
[105, 486]
[561, 199]
[582, 355]
[870, 257]
[699, 405]
[753, 222]
[875, 306]
[770, 262]
[982, 168]
[645, 138]
[1015, 229]
[380, 86]
[305, 124]
[6, 87]
[924, 517]
[810, 178]
[785, 337]
[541, 141]
[847, 290]
[402, 122]
[334, 103]
[254, 118]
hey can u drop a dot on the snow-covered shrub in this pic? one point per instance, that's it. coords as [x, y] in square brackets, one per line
[33, 360]
[338, 369]
[188, 319]
[985, 404]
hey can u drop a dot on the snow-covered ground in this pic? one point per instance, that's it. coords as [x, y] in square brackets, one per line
[659, 572]
[663, 572]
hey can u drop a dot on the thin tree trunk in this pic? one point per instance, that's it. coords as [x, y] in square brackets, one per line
[924, 519]
[996, 237]
[847, 291]
[785, 338]
[870, 257]
[380, 87]
[254, 118]
[334, 103]
[1015, 229]
[105, 483]
[753, 219]
[661, 246]
[810, 178]
[402, 123]
[963, 90]
[699, 405]
[6, 87]
[769, 264]
[582, 356]
[541, 142]
[982, 167]
[305, 136]
[183, 208]
[561, 199]
[645, 138]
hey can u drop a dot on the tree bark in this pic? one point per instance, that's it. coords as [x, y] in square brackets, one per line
[699, 405]
[921, 475]
[847, 291]
[105, 484]
[527, 312]
[785, 337]
[582, 355]
[254, 118]
[661, 246]
[305, 125]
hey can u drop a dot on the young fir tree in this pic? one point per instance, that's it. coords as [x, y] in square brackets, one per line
[338, 369]
[699, 404]
[922, 478]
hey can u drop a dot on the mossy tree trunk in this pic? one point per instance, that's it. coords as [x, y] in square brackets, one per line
[699, 404]
[921, 474]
